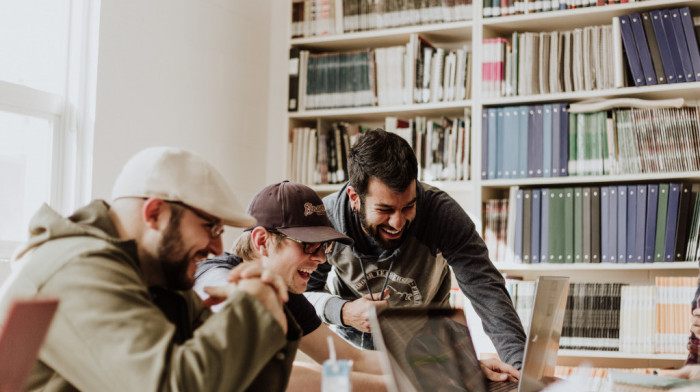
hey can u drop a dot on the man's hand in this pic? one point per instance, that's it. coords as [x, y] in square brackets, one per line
[250, 270]
[689, 372]
[496, 370]
[355, 312]
[695, 324]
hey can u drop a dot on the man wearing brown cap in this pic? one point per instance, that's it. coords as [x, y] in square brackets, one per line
[128, 319]
[292, 237]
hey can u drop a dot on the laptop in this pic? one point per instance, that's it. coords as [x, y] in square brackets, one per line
[430, 349]
[22, 333]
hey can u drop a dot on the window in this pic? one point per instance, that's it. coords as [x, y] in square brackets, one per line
[47, 79]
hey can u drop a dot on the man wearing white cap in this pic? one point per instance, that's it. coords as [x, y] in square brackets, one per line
[128, 319]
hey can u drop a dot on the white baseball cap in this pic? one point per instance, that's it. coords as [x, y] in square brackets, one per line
[174, 174]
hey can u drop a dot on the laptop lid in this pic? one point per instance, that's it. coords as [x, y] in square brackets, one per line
[22, 333]
[422, 348]
[542, 346]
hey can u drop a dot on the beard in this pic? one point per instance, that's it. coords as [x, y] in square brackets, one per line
[175, 271]
[373, 231]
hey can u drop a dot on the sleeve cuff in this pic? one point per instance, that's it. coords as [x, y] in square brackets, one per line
[333, 311]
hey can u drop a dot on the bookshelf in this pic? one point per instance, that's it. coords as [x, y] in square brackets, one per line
[471, 194]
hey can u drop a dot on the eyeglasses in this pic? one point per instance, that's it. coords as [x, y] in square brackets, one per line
[216, 227]
[309, 248]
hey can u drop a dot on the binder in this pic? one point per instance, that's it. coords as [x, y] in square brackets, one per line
[661, 214]
[586, 224]
[682, 45]
[534, 142]
[556, 225]
[664, 46]
[640, 40]
[484, 144]
[544, 225]
[667, 21]
[535, 225]
[578, 225]
[564, 140]
[547, 140]
[556, 139]
[674, 194]
[641, 223]
[512, 142]
[691, 40]
[595, 224]
[500, 144]
[653, 48]
[604, 226]
[622, 224]
[519, 226]
[524, 141]
[527, 222]
[631, 223]
[493, 143]
[685, 206]
[293, 101]
[568, 225]
[631, 51]
[650, 230]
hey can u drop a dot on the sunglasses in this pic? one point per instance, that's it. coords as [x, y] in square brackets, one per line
[309, 248]
[216, 227]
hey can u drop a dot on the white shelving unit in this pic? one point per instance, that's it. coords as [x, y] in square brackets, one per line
[471, 194]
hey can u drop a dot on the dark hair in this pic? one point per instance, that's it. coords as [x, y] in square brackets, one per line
[384, 155]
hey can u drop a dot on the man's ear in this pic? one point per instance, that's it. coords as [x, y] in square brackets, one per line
[354, 198]
[152, 210]
[260, 236]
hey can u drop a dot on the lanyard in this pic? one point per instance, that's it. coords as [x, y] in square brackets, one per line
[386, 279]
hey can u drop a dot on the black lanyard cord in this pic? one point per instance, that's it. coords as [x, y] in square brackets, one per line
[386, 279]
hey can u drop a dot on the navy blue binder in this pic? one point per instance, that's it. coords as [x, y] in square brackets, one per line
[691, 39]
[631, 222]
[664, 46]
[622, 224]
[650, 231]
[653, 48]
[544, 226]
[673, 44]
[536, 217]
[683, 50]
[534, 141]
[641, 223]
[484, 144]
[643, 49]
[604, 226]
[631, 51]
[674, 193]
[519, 226]
[612, 224]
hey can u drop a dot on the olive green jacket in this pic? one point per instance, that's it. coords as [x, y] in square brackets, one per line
[109, 335]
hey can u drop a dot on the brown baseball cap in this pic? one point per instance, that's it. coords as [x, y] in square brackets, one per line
[294, 210]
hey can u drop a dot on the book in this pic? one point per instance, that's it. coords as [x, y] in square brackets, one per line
[535, 141]
[518, 252]
[687, 201]
[604, 225]
[556, 140]
[484, 144]
[578, 225]
[631, 51]
[667, 22]
[292, 103]
[568, 225]
[547, 140]
[523, 140]
[527, 225]
[586, 224]
[612, 224]
[640, 40]
[556, 226]
[544, 226]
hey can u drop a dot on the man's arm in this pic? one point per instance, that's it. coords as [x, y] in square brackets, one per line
[328, 306]
[108, 323]
[479, 280]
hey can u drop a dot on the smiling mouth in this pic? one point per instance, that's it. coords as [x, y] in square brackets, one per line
[392, 233]
[305, 273]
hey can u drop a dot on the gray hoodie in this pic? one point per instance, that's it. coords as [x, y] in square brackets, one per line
[417, 272]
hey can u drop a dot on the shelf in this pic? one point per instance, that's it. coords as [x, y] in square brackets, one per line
[435, 33]
[455, 108]
[512, 267]
[620, 355]
[688, 91]
[443, 185]
[547, 181]
[568, 19]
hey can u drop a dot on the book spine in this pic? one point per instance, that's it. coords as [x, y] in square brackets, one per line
[674, 194]
[595, 225]
[631, 51]
[650, 232]
[664, 47]
[536, 199]
[691, 40]
[640, 40]
[682, 45]
[622, 224]
[661, 214]
[631, 222]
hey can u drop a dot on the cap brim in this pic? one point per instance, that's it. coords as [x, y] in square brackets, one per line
[240, 220]
[316, 234]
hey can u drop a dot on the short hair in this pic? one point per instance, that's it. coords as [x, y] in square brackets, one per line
[385, 156]
[243, 247]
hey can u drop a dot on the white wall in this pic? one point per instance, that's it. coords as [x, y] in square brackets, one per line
[187, 73]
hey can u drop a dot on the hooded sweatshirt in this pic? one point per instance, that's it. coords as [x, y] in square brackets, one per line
[417, 272]
[108, 334]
